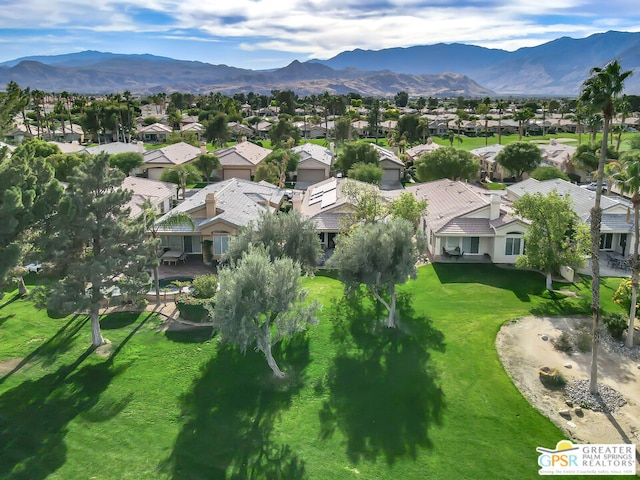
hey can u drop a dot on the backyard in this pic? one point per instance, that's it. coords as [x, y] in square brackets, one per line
[359, 400]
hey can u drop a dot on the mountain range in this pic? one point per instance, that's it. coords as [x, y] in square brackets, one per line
[555, 68]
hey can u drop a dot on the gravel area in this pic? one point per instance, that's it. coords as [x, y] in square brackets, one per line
[617, 346]
[607, 400]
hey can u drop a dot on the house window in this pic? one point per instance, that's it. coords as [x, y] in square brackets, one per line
[606, 240]
[470, 244]
[192, 244]
[452, 242]
[513, 246]
[220, 244]
[173, 242]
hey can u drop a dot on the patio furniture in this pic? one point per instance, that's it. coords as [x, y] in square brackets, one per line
[171, 257]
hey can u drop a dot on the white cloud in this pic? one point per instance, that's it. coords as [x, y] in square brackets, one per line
[323, 28]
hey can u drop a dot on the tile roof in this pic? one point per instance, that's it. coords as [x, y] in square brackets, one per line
[446, 200]
[419, 150]
[242, 154]
[583, 199]
[146, 189]
[238, 202]
[316, 152]
[387, 155]
[156, 128]
[488, 153]
[175, 154]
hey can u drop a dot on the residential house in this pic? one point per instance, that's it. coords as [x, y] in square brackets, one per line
[194, 127]
[70, 133]
[468, 222]
[417, 151]
[262, 128]
[241, 160]
[388, 126]
[560, 156]
[617, 220]
[239, 130]
[219, 211]
[159, 159]
[161, 195]
[325, 203]
[20, 133]
[309, 130]
[156, 133]
[489, 168]
[392, 168]
[314, 164]
[361, 128]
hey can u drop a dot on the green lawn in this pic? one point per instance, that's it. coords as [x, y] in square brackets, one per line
[359, 401]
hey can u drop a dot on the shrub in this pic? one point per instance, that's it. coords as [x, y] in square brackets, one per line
[551, 377]
[205, 286]
[193, 309]
[622, 295]
[563, 343]
[616, 324]
[584, 339]
[207, 251]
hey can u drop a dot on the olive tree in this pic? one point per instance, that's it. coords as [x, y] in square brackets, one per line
[260, 302]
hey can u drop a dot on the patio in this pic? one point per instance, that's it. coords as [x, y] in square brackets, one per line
[191, 268]
[606, 268]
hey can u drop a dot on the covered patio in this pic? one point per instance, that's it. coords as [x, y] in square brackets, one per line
[191, 268]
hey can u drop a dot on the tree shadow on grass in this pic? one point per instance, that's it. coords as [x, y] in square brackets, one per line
[50, 350]
[190, 335]
[114, 321]
[384, 396]
[229, 416]
[522, 283]
[16, 297]
[34, 417]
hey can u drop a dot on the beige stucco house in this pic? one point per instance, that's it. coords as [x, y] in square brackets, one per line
[241, 160]
[159, 159]
[219, 211]
[314, 164]
[469, 222]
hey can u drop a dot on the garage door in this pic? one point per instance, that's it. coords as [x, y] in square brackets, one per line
[310, 176]
[244, 173]
[154, 173]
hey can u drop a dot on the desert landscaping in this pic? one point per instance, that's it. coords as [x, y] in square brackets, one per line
[527, 344]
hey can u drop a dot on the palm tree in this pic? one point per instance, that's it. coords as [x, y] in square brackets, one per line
[624, 107]
[501, 106]
[182, 175]
[522, 116]
[628, 179]
[150, 216]
[599, 91]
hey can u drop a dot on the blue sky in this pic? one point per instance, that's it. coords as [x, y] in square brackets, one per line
[261, 34]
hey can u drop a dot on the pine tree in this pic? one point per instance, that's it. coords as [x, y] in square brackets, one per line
[94, 243]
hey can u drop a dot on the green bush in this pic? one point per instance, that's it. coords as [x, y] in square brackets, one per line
[205, 286]
[193, 309]
[616, 324]
[584, 339]
[563, 343]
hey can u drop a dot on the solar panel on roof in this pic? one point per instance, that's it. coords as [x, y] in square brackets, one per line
[329, 198]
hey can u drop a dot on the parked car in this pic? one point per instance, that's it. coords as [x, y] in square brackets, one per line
[593, 186]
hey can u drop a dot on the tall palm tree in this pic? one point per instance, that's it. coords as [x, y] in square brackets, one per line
[628, 179]
[624, 108]
[500, 106]
[599, 92]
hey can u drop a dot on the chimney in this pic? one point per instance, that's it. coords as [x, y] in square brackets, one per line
[332, 148]
[210, 205]
[203, 147]
[494, 212]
